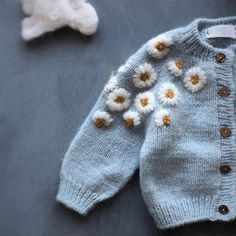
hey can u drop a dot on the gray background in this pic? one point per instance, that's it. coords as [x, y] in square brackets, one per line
[47, 88]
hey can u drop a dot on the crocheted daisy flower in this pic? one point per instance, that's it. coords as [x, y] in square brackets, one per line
[111, 84]
[118, 100]
[145, 76]
[176, 68]
[162, 118]
[195, 79]
[131, 119]
[169, 94]
[102, 119]
[159, 46]
[145, 102]
[124, 67]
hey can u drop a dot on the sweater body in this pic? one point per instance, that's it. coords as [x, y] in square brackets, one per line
[169, 111]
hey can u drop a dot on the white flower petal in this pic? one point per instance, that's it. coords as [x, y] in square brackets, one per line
[195, 79]
[145, 76]
[168, 94]
[162, 118]
[126, 65]
[159, 46]
[175, 68]
[131, 118]
[111, 84]
[102, 119]
[122, 68]
[145, 102]
[118, 100]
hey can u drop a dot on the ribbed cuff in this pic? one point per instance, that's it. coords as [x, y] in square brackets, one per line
[75, 196]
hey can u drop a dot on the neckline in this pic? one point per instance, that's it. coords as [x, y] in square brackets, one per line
[194, 43]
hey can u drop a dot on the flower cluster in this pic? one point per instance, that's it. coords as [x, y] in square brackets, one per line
[144, 77]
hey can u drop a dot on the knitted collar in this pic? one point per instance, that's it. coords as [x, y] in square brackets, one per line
[194, 43]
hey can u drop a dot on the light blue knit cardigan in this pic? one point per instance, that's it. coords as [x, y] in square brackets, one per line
[169, 111]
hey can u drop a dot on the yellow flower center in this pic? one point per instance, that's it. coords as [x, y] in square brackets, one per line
[145, 76]
[179, 64]
[160, 46]
[170, 93]
[166, 120]
[195, 79]
[120, 99]
[129, 123]
[144, 102]
[100, 123]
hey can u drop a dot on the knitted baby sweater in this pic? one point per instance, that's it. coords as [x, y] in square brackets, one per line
[169, 111]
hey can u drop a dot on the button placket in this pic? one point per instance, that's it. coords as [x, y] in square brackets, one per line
[226, 118]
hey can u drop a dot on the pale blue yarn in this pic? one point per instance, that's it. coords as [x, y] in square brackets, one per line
[179, 164]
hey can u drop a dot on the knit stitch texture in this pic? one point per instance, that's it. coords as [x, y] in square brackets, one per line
[169, 111]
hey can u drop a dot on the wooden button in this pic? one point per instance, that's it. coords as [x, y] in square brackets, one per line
[225, 169]
[223, 209]
[220, 57]
[224, 91]
[225, 132]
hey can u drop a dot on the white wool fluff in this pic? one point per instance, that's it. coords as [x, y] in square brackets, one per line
[49, 15]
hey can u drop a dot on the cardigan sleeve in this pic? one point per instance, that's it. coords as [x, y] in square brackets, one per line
[104, 153]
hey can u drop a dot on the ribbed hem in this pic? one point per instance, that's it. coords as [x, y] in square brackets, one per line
[75, 196]
[186, 210]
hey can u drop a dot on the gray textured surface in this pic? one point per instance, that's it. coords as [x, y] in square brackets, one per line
[47, 89]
